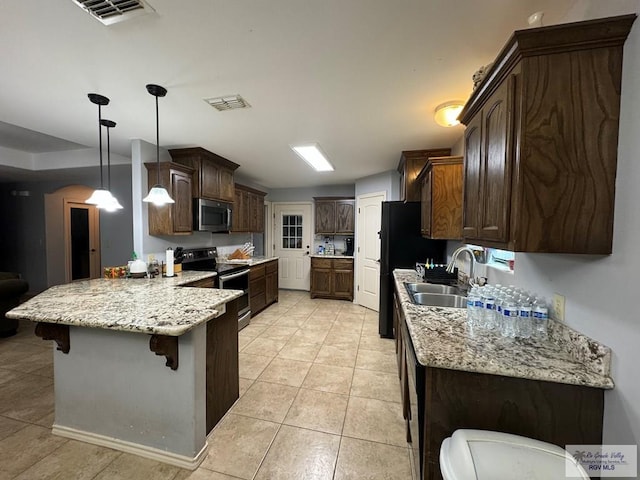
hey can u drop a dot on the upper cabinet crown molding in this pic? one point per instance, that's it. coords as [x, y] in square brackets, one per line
[542, 139]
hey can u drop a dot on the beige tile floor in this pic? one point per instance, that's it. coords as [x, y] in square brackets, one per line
[319, 400]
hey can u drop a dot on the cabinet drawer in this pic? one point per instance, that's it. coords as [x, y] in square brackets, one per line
[321, 263]
[272, 266]
[256, 272]
[343, 264]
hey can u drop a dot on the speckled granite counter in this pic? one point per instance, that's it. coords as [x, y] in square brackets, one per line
[154, 306]
[442, 339]
[250, 261]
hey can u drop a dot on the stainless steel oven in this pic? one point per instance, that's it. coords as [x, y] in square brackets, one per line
[230, 277]
[235, 279]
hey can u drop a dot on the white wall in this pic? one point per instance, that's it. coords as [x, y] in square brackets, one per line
[600, 290]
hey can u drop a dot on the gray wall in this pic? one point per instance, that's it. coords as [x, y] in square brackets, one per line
[23, 218]
[388, 182]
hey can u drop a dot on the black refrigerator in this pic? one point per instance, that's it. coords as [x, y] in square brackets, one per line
[401, 246]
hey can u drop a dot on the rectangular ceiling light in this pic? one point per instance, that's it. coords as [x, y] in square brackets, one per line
[313, 156]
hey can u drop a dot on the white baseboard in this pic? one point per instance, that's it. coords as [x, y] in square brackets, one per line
[182, 461]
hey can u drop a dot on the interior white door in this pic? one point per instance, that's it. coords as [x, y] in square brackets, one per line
[292, 244]
[369, 208]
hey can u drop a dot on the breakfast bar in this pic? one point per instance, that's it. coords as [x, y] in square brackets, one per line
[144, 366]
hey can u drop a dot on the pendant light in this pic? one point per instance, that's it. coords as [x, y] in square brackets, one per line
[113, 203]
[100, 197]
[158, 195]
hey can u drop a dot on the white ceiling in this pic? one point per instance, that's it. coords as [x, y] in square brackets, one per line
[360, 77]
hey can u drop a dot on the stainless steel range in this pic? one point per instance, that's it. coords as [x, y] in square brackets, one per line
[230, 277]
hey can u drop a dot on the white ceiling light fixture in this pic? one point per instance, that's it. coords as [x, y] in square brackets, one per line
[313, 155]
[447, 113]
[109, 12]
[228, 102]
[158, 195]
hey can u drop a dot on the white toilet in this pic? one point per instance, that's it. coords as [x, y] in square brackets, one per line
[486, 455]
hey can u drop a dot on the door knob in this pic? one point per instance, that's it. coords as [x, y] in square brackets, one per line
[378, 261]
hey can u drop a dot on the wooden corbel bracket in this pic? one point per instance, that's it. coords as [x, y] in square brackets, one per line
[167, 346]
[54, 331]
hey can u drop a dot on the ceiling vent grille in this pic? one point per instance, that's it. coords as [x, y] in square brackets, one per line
[228, 102]
[114, 11]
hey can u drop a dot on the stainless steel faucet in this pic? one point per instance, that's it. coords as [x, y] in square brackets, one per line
[454, 257]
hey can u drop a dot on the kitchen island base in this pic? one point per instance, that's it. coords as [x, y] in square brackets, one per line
[112, 390]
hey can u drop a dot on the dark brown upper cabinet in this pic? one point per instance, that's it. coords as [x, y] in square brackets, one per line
[335, 215]
[411, 164]
[248, 209]
[212, 176]
[175, 218]
[441, 198]
[542, 138]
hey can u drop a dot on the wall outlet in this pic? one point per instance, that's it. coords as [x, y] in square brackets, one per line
[557, 308]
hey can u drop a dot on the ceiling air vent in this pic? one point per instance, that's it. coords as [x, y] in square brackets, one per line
[228, 102]
[114, 11]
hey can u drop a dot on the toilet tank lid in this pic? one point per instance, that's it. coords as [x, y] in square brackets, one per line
[486, 455]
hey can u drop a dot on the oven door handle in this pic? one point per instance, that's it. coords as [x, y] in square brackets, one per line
[231, 276]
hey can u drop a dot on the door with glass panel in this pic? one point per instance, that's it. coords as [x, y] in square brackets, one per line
[82, 241]
[292, 244]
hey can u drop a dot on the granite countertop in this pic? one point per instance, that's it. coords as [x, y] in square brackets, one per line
[322, 255]
[249, 261]
[442, 338]
[154, 306]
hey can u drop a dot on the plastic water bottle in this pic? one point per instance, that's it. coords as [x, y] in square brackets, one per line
[540, 317]
[509, 317]
[488, 312]
[472, 311]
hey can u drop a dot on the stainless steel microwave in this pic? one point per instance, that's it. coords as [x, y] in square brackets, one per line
[211, 216]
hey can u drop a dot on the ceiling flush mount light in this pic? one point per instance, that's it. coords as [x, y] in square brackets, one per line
[158, 195]
[100, 197]
[228, 102]
[447, 113]
[113, 204]
[312, 154]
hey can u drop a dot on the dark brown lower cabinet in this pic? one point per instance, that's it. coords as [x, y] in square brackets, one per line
[263, 286]
[222, 373]
[332, 278]
[437, 401]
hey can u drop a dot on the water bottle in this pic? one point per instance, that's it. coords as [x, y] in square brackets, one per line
[488, 312]
[509, 317]
[472, 315]
[540, 317]
[525, 326]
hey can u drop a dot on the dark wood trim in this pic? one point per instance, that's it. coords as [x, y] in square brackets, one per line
[250, 189]
[56, 332]
[167, 346]
[328, 199]
[178, 153]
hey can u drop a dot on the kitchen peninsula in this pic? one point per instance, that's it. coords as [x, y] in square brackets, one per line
[113, 385]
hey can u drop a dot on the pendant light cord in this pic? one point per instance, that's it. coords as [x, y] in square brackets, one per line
[108, 161]
[100, 142]
[157, 140]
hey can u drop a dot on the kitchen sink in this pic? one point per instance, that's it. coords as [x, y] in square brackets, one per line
[439, 300]
[431, 288]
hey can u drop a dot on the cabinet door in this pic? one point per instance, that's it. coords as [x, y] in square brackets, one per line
[256, 208]
[226, 186]
[425, 205]
[325, 217]
[495, 169]
[182, 209]
[471, 188]
[345, 216]
[445, 185]
[321, 282]
[239, 223]
[343, 283]
[272, 282]
[210, 180]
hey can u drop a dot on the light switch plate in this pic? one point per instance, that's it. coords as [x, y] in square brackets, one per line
[558, 307]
